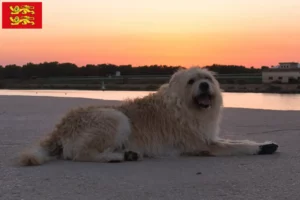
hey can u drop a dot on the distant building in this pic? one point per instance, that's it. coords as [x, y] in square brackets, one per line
[288, 65]
[286, 72]
[118, 73]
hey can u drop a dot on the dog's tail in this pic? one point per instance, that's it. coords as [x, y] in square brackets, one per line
[45, 150]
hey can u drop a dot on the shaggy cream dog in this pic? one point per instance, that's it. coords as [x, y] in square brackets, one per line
[181, 118]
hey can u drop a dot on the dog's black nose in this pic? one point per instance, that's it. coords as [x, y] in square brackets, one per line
[204, 86]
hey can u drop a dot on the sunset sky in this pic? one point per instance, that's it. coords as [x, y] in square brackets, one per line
[167, 32]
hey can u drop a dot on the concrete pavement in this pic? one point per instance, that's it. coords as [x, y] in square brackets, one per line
[24, 119]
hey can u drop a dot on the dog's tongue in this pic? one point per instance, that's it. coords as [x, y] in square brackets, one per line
[205, 100]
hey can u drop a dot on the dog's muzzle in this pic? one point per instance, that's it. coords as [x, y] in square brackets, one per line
[204, 97]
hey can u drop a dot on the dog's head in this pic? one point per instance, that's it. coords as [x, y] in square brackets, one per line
[196, 87]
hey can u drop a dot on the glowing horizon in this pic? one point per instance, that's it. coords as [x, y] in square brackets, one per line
[174, 32]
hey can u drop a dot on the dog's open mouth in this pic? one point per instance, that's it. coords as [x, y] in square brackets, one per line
[203, 100]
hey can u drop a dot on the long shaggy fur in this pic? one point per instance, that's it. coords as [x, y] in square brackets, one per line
[166, 123]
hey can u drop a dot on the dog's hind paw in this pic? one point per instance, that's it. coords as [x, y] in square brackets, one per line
[267, 149]
[131, 156]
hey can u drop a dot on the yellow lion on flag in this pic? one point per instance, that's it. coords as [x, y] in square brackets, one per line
[15, 10]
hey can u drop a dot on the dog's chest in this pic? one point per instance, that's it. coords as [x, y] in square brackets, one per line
[198, 128]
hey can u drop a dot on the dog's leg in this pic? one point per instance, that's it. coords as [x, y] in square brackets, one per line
[100, 157]
[107, 156]
[223, 147]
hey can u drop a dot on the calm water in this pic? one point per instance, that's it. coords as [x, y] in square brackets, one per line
[237, 100]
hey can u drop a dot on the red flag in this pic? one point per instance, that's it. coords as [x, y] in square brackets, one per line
[20, 15]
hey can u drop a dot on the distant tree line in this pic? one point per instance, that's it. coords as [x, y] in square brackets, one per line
[233, 69]
[56, 69]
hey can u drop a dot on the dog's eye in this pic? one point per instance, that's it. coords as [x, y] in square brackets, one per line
[191, 81]
[208, 78]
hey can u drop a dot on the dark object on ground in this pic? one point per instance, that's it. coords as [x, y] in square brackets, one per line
[268, 149]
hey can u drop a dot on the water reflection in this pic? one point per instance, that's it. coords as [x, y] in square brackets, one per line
[237, 100]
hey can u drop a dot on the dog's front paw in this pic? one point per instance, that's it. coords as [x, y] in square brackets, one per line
[268, 148]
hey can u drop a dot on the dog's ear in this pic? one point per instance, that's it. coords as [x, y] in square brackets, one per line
[179, 71]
